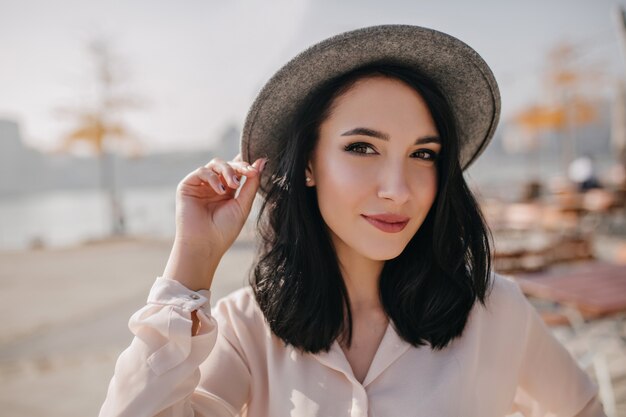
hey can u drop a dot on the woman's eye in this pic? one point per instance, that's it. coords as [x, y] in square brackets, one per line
[362, 148]
[426, 155]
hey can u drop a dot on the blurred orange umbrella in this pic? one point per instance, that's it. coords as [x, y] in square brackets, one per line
[577, 112]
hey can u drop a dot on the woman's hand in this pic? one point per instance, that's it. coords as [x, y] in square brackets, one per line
[211, 209]
[207, 211]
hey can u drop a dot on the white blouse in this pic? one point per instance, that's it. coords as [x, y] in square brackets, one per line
[505, 361]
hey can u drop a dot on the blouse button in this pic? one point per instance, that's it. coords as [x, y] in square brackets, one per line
[194, 296]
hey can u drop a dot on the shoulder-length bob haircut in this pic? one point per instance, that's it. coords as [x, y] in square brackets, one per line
[427, 291]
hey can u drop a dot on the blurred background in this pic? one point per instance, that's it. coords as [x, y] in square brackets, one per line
[105, 106]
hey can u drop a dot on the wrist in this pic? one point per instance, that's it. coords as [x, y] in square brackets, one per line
[193, 265]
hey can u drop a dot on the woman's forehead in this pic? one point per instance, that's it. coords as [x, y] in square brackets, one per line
[382, 102]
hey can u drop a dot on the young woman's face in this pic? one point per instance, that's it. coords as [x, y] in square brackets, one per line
[374, 167]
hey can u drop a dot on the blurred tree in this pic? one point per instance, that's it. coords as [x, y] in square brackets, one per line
[100, 126]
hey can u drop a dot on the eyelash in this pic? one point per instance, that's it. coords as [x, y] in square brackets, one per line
[361, 145]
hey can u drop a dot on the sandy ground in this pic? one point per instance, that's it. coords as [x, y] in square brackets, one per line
[67, 312]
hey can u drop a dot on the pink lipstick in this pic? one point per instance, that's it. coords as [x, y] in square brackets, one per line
[389, 223]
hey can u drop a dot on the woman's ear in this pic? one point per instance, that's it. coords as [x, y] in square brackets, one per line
[308, 176]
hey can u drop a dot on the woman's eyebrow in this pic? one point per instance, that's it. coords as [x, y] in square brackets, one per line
[364, 131]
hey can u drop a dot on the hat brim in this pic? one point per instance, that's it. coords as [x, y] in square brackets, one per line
[458, 70]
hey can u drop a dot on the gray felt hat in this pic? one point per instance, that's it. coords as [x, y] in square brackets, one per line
[457, 69]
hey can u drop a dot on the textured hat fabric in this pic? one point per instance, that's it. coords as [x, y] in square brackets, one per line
[457, 69]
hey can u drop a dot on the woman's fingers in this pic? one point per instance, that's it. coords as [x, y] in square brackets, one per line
[211, 177]
[225, 171]
[225, 176]
[231, 172]
[249, 189]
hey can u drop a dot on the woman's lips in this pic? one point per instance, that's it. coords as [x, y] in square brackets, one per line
[387, 223]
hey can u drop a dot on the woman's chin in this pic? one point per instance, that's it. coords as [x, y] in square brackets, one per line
[383, 253]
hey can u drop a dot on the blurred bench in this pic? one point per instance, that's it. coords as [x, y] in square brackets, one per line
[584, 293]
[594, 289]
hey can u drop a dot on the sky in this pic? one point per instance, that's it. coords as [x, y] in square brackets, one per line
[193, 67]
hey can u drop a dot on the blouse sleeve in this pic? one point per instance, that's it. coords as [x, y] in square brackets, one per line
[158, 374]
[551, 384]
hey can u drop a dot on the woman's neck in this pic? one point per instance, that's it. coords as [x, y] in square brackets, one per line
[361, 276]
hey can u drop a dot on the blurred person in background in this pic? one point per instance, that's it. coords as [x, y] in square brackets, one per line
[582, 172]
[372, 293]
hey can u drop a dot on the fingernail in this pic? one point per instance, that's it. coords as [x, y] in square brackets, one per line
[236, 179]
[222, 187]
[263, 162]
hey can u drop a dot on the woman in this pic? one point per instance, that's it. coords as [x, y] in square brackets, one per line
[372, 294]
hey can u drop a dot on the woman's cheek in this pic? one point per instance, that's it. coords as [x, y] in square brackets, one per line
[357, 170]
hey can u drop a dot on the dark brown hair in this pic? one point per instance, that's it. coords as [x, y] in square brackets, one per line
[427, 291]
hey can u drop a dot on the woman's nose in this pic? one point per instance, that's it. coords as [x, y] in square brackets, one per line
[393, 183]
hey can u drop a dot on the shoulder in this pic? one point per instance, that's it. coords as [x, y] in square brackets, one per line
[505, 303]
[240, 304]
[240, 314]
[496, 331]
[505, 290]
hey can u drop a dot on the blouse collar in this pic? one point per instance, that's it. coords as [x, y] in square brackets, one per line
[390, 349]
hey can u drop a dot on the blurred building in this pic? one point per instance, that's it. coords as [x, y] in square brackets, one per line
[11, 154]
[24, 170]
